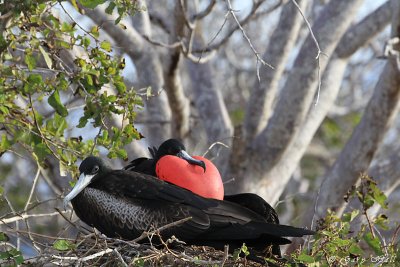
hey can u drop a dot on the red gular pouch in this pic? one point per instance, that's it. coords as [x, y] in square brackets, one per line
[178, 171]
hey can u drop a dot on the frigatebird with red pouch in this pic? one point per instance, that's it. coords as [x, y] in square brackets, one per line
[124, 204]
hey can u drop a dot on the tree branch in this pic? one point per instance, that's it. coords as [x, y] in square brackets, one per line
[173, 84]
[260, 104]
[295, 99]
[359, 150]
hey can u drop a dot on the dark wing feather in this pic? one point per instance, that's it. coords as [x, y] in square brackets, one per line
[142, 165]
[128, 218]
[256, 204]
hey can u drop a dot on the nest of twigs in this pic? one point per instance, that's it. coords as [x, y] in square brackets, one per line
[98, 250]
[94, 249]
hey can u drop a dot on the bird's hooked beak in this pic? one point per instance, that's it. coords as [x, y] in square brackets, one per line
[184, 155]
[83, 181]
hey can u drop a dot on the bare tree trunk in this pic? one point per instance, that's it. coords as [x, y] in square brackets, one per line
[257, 168]
[282, 41]
[359, 150]
[173, 84]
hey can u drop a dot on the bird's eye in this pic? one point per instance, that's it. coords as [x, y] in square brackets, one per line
[95, 169]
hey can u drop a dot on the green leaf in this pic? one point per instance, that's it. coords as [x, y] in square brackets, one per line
[5, 255]
[95, 31]
[35, 78]
[355, 249]
[341, 242]
[66, 27]
[3, 237]
[91, 3]
[55, 101]
[30, 61]
[83, 121]
[348, 217]
[118, 153]
[46, 57]
[4, 143]
[379, 196]
[120, 86]
[63, 245]
[245, 250]
[41, 151]
[85, 42]
[110, 8]
[16, 254]
[106, 45]
[382, 221]
[373, 243]
[305, 258]
[4, 110]
[19, 259]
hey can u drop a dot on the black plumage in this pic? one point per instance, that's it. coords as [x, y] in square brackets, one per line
[123, 204]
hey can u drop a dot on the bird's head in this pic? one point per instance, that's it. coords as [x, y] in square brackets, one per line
[175, 148]
[89, 170]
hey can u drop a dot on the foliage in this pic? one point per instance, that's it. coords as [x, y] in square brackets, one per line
[338, 244]
[38, 87]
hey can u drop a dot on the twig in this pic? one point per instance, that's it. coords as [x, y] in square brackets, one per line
[95, 139]
[205, 12]
[16, 223]
[35, 180]
[226, 254]
[252, 14]
[319, 53]
[396, 232]
[382, 239]
[120, 258]
[162, 228]
[28, 201]
[158, 43]
[229, 181]
[30, 208]
[259, 59]
[27, 216]
[90, 257]
[212, 145]
[371, 229]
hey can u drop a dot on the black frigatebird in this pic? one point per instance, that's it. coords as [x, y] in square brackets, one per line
[124, 204]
